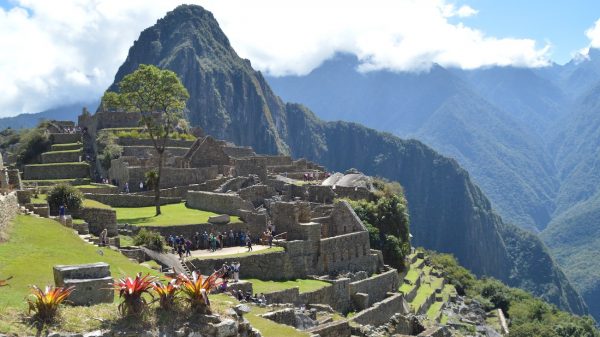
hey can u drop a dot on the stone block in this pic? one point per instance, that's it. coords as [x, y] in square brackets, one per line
[90, 291]
[360, 301]
[219, 219]
[81, 271]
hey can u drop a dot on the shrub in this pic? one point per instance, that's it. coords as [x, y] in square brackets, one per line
[45, 303]
[196, 290]
[149, 239]
[166, 293]
[64, 194]
[151, 179]
[32, 144]
[108, 149]
[132, 292]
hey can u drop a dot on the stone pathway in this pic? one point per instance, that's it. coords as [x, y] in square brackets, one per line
[227, 251]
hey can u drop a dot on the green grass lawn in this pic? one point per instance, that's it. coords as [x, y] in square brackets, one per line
[405, 288]
[37, 244]
[173, 214]
[89, 203]
[41, 199]
[94, 185]
[412, 275]
[66, 146]
[275, 249]
[126, 240]
[260, 286]
[64, 151]
[62, 164]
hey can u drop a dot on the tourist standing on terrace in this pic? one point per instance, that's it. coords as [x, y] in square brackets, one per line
[235, 268]
[249, 242]
[188, 248]
[205, 244]
[61, 213]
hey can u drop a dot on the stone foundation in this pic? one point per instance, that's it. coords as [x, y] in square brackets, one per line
[8, 210]
[217, 202]
[98, 219]
[56, 171]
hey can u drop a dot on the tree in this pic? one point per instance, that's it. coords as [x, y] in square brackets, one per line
[158, 95]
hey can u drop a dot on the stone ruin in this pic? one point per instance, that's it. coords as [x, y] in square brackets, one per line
[92, 282]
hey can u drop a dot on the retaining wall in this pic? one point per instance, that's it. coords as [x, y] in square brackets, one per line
[217, 202]
[56, 171]
[148, 142]
[98, 219]
[188, 231]
[61, 156]
[377, 286]
[65, 138]
[382, 311]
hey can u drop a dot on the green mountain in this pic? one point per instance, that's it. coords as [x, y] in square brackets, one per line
[449, 213]
[529, 137]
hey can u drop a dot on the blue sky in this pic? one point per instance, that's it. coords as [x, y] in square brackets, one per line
[561, 22]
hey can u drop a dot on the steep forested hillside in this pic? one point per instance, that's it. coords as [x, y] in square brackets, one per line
[449, 213]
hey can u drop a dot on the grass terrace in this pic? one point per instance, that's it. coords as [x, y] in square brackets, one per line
[172, 215]
[61, 164]
[89, 203]
[67, 146]
[63, 151]
[304, 285]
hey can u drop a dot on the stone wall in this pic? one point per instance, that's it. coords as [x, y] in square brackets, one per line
[217, 202]
[321, 194]
[342, 220]
[65, 138]
[277, 160]
[103, 120]
[149, 151]
[61, 157]
[252, 165]
[188, 231]
[8, 210]
[381, 312]
[148, 142]
[354, 193]
[56, 171]
[124, 169]
[339, 328]
[207, 152]
[268, 266]
[257, 194]
[239, 151]
[130, 200]
[348, 252]
[98, 219]
[377, 286]
[14, 178]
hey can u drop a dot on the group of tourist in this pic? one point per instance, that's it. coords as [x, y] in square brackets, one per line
[69, 129]
[261, 300]
[180, 245]
[214, 241]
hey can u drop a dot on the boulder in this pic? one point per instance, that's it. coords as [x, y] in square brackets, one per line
[219, 219]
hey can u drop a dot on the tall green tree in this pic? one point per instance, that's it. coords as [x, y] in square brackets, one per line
[160, 98]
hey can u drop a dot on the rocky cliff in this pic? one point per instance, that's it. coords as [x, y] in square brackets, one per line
[449, 213]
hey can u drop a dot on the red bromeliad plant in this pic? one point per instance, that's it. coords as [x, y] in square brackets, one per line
[132, 291]
[196, 290]
[166, 293]
[45, 302]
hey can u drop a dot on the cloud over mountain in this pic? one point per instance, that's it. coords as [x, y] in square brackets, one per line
[59, 53]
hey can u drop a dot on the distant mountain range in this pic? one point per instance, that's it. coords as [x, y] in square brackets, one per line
[29, 120]
[529, 137]
[449, 213]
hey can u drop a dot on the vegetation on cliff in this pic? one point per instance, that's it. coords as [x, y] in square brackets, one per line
[528, 315]
[387, 220]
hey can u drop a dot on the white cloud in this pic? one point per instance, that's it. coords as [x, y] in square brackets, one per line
[57, 52]
[593, 33]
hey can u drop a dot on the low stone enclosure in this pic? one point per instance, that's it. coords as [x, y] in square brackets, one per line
[91, 282]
